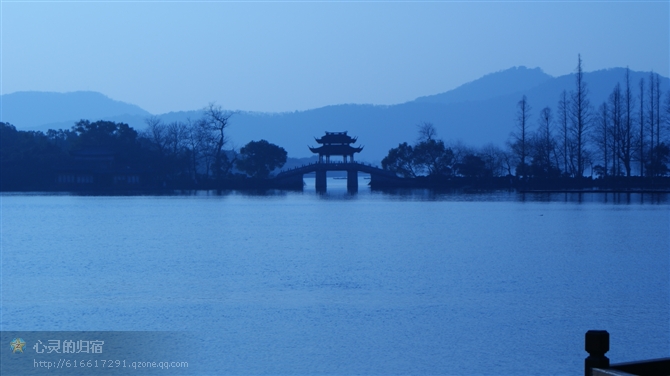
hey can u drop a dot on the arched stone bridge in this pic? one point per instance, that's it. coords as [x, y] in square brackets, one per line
[293, 178]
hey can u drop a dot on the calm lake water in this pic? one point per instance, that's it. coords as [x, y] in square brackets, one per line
[373, 283]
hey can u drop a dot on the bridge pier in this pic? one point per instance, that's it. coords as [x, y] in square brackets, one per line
[352, 180]
[320, 183]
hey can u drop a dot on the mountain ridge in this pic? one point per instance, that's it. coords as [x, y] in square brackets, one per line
[58, 107]
[494, 85]
[476, 116]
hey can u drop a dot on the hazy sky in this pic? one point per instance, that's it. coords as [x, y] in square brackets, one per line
[285, 56]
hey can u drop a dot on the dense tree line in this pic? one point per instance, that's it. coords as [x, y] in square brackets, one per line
[189, 154]
[431, 157]
[624, 137]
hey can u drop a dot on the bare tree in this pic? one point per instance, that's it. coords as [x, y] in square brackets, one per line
[196, 139]
[176, 135]
[544, 146]
[581, 118]
[616, 119]
[602, 136]
[520, 138]
[654, 123]
[155, 132]
[563, 119]
[216, 120]
[660, 154]
[652, 108]
[427, 132]
[626, 148]
[658, 109]
[460, 150]
[508, 161]
[641, 156]
[494, 159]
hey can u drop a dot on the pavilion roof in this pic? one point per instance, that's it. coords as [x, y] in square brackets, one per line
[336, 138]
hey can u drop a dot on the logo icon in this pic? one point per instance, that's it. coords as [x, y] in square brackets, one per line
[17, 345]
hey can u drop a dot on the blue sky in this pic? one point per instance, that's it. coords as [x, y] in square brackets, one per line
[286, 56]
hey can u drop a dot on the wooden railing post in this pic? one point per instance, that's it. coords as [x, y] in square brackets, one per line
[597, 344]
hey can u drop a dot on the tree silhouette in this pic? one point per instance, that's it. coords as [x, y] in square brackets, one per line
[602, 138]
[427, 132]
[641, 155]
[616, 117]
[28, 160]
[473, 166]
[216, 120]
[520, 138]
[544, 147]
[259, 158]
[106, 135]
[401, 161]
[626, 153]
[581, 118]
[564, 120]
[433, 157]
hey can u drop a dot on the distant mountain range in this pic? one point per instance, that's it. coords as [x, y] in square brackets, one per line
[476, 113]
[39, 110]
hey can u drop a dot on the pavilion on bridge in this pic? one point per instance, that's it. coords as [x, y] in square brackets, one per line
[336, 143]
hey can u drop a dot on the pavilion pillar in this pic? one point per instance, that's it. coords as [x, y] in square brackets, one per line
[320, 180]
[352, 180]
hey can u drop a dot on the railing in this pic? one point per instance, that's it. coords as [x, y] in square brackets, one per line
[339, 163]
[326, 163]
[597, 343]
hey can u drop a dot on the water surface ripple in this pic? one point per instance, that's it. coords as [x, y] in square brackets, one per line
[373, 283]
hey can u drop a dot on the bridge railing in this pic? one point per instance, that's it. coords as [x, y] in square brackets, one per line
[597, 343]
[324, 163]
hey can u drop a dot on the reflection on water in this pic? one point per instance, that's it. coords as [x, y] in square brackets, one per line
[598, 197]
[337, 190]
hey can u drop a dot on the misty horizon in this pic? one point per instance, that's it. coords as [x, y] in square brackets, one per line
[276, 57]
[418, 98]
